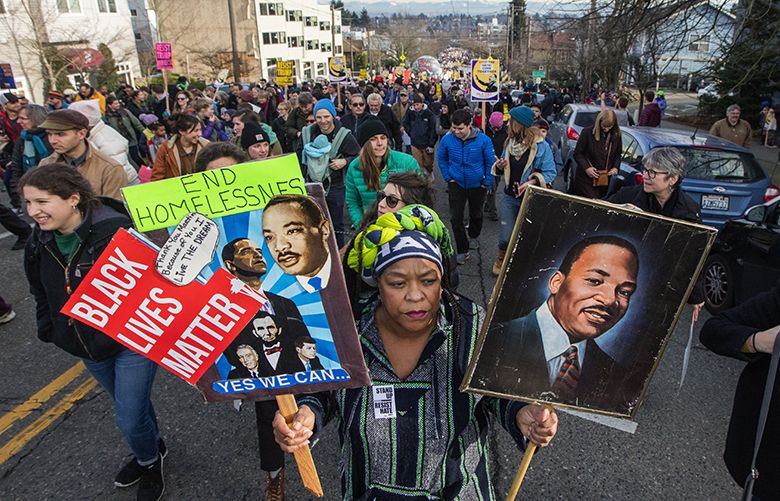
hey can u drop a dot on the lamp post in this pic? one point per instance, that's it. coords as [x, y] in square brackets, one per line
[234, 43]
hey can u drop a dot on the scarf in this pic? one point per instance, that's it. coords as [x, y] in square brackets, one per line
[34, 151]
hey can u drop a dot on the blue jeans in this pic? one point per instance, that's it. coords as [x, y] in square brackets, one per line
[510, 206]
[336, 199]
[128, 378]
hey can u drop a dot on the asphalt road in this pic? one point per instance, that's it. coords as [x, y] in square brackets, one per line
[49, 455]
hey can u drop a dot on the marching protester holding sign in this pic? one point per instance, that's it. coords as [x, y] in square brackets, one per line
[435, 436]
[73, 227]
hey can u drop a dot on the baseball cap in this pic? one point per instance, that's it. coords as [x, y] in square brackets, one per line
[56, 95]
[65, 120]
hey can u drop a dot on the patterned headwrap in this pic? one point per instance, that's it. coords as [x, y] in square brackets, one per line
[363, 255]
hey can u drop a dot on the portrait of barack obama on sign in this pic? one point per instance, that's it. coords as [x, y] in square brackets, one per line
[551, 353]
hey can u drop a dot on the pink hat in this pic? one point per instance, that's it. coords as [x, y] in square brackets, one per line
[496, 119]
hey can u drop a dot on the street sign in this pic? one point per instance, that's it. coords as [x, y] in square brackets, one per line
[284, 73]
[7, 77]
[484, 80]
[163, 53]
[538, 74]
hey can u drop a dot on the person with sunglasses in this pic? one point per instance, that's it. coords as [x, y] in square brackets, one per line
[663, 170]
[367, 174]
[357, 113]
[182, 103]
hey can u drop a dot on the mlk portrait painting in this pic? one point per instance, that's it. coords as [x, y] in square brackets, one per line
[589, 294]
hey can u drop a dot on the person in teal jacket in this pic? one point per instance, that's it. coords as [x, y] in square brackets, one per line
[367, 174]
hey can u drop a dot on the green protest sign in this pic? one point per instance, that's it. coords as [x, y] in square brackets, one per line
[215, 193]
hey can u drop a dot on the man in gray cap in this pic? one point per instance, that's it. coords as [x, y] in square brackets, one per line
[68, 131]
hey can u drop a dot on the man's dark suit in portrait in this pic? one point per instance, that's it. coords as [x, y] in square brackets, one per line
[551, 353]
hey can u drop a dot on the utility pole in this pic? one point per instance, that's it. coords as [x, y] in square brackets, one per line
[332, 30]
[234, 43]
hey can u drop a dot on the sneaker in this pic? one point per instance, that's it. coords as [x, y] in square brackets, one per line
[132, 471]
[4, 319]
[152, 484]
[20, 243]
[462, 258]
[274, 487]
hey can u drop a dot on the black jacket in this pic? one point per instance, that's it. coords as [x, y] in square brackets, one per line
[421, 127]
[348, 151]
[725, 334]
[679, 206]
[52, 280]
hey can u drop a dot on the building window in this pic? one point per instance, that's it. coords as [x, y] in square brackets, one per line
[699, 43]
[69, 6]
[325, 47]
[295, 41]
[294, 15]
[338, 49]
[133, 13]
[312, 44]
[274, 38]
[337, 29]
[324, 26]
[137, 36]
[311, 21]
[106, 6]
[263, 9]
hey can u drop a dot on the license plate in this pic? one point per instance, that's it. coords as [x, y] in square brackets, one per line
[715, 202]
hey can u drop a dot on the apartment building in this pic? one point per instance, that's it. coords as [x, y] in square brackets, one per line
[30, 29]
[266, 32]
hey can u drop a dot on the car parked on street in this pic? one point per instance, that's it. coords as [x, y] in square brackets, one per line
[745, 258]
[565, 129]
[723, 178]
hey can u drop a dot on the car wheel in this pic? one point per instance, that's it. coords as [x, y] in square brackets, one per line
[718, 284]
[570, 177]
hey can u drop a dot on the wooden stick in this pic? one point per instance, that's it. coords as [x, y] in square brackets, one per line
[303, 458]
[484, 118]
[524, 463]
[167, 92]
[338, 94]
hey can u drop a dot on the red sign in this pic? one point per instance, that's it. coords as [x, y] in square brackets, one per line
[184, 329]
[164, 55]
[83, 58]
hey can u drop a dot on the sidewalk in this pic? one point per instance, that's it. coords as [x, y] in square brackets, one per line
[769, 158]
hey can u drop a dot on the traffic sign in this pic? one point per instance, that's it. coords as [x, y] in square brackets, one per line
[538, 74]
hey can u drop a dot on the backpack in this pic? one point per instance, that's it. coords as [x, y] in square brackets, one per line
[318, 168]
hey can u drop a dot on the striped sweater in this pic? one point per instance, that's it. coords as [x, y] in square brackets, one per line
[437, 445]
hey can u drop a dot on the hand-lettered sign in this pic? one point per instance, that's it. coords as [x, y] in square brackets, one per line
[189, 249]
[163, 55]
[184, 329]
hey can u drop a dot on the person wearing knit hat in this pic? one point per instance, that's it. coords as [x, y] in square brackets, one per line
[330, 169]
[523, 115]
[325, 104]
[367, 174]
[497, 134]
[255, 141]
[414, 323]
[496, 120]
[527, 160]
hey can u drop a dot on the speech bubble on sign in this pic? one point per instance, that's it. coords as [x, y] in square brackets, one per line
[188, 250]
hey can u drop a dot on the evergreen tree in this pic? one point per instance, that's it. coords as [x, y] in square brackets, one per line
[106, 72]
[749, 72]
[365, 21]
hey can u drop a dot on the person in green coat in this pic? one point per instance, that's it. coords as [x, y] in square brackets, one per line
[367, 174]
[124, 122]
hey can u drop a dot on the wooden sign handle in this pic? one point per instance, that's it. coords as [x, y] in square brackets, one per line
[303, 458]
[524, 463]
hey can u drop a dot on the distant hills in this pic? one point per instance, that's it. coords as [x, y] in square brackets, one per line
[440, 7]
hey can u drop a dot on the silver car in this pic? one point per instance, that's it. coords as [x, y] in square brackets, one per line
[566, 128]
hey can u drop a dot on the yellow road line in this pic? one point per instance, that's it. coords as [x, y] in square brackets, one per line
[24, 409]
[31, 431]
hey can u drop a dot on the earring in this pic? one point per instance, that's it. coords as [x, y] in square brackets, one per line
[74, 207]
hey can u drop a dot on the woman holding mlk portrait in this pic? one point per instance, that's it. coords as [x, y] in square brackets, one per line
[663, 170]
[417, 339]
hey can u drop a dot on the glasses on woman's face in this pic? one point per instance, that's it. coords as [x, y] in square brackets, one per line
[390, 200]
[310, 120]
[181, 98]
[652, 173]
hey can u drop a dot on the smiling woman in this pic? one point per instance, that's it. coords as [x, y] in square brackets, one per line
[72, 229]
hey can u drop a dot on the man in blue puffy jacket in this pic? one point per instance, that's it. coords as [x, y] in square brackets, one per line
[465, 157]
